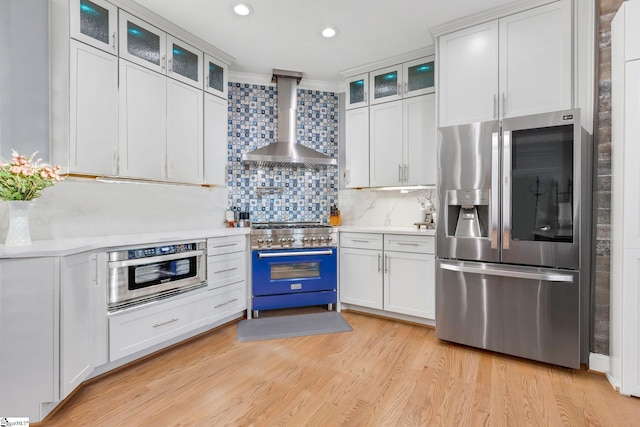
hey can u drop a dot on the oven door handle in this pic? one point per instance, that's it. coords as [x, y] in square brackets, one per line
[154, 259]
[295, 253]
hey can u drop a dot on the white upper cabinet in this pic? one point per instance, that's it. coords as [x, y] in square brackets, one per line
[185, 133]
[357, 91]
[520, 64]
[385, 138]
[184, 62]
[215, 140]
[535, 60]
[142, 43]
[418, 77]
[93, 110]
[402, 142]
[95, 23]
[468, 75]
[385, 84]
[216, 76]
[356, 172]
[143, 122]
[419, 139]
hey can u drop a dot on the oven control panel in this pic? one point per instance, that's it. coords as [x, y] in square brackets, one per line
[294, 240]
[160, 250]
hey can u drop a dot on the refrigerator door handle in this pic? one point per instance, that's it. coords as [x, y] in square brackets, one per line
[548, 277]
[506, 189]
[495, 189]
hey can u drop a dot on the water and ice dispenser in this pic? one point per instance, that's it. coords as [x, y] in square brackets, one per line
[468, 213]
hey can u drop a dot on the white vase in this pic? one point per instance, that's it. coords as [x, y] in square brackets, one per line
[19, 233]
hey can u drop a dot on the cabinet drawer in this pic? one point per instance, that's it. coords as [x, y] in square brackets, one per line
[226, 245]
[361, 240]
[228, 300]
[226, 269]
[406, 243]
[141, 329]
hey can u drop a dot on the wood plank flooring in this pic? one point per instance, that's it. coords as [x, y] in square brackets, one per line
[383, 373]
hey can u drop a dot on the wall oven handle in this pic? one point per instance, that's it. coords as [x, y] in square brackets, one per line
[296, 253]
[154, 259]
[548, 277]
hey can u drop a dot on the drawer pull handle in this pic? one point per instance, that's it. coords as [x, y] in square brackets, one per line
[224, 271]
[225, 303]
[157, 325]
[224, 246]
[360, 241]
[406, 244]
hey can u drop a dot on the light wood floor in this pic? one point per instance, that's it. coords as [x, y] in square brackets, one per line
[384, 373]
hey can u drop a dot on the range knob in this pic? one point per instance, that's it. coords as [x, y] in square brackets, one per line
[321, 239]
[269, 241]
[313, 240]
[283, 240]
[305, 240]
[260, 241]
[291, 240]
[329, 238]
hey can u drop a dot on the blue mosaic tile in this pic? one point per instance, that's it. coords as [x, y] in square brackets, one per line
[307, 192]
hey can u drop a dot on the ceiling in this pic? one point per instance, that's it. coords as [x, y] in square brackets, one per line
[285, 34]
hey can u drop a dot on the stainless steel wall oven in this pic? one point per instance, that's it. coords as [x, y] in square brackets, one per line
[141, 274]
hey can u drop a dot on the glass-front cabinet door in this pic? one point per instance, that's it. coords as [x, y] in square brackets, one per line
[216, 76]
[357, 91]
[142, 43]
[184, 62]
[418, 76]
[386, 84]
[94, 22]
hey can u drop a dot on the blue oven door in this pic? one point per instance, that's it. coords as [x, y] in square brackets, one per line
[294, 278]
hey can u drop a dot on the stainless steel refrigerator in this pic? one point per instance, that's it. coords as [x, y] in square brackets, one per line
[513, 236]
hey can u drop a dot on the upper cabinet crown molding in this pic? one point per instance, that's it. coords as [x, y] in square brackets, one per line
[487, 15]
[405, 57]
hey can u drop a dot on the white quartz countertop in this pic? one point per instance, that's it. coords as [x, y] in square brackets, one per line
[388, 230]
[63, 247]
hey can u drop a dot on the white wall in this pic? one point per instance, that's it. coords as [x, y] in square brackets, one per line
[86, 207]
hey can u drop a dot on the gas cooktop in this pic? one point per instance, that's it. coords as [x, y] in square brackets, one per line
[279, 235]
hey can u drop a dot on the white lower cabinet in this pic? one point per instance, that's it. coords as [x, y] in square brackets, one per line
[227, 300]
[227, 263]
[389, 272]
[407, 287]
[28, 336]
[78, 283]
[139, 329]
[361, 277]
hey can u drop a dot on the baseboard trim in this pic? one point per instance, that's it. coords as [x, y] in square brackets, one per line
[598, 363]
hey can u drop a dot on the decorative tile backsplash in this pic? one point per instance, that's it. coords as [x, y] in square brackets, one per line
[281, 193]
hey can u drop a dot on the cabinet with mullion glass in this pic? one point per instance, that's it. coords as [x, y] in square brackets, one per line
[419, 77]
[184, 62]
[385, 84]
[357, 91]
[95, 22]
[216, 76]
[142, 43]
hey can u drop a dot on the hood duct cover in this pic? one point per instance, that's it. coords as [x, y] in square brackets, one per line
[285, 150]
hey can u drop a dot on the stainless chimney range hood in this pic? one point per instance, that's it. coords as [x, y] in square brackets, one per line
[285, 150]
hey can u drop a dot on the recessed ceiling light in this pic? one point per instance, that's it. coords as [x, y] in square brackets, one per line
[242, 9]
[329, 32]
